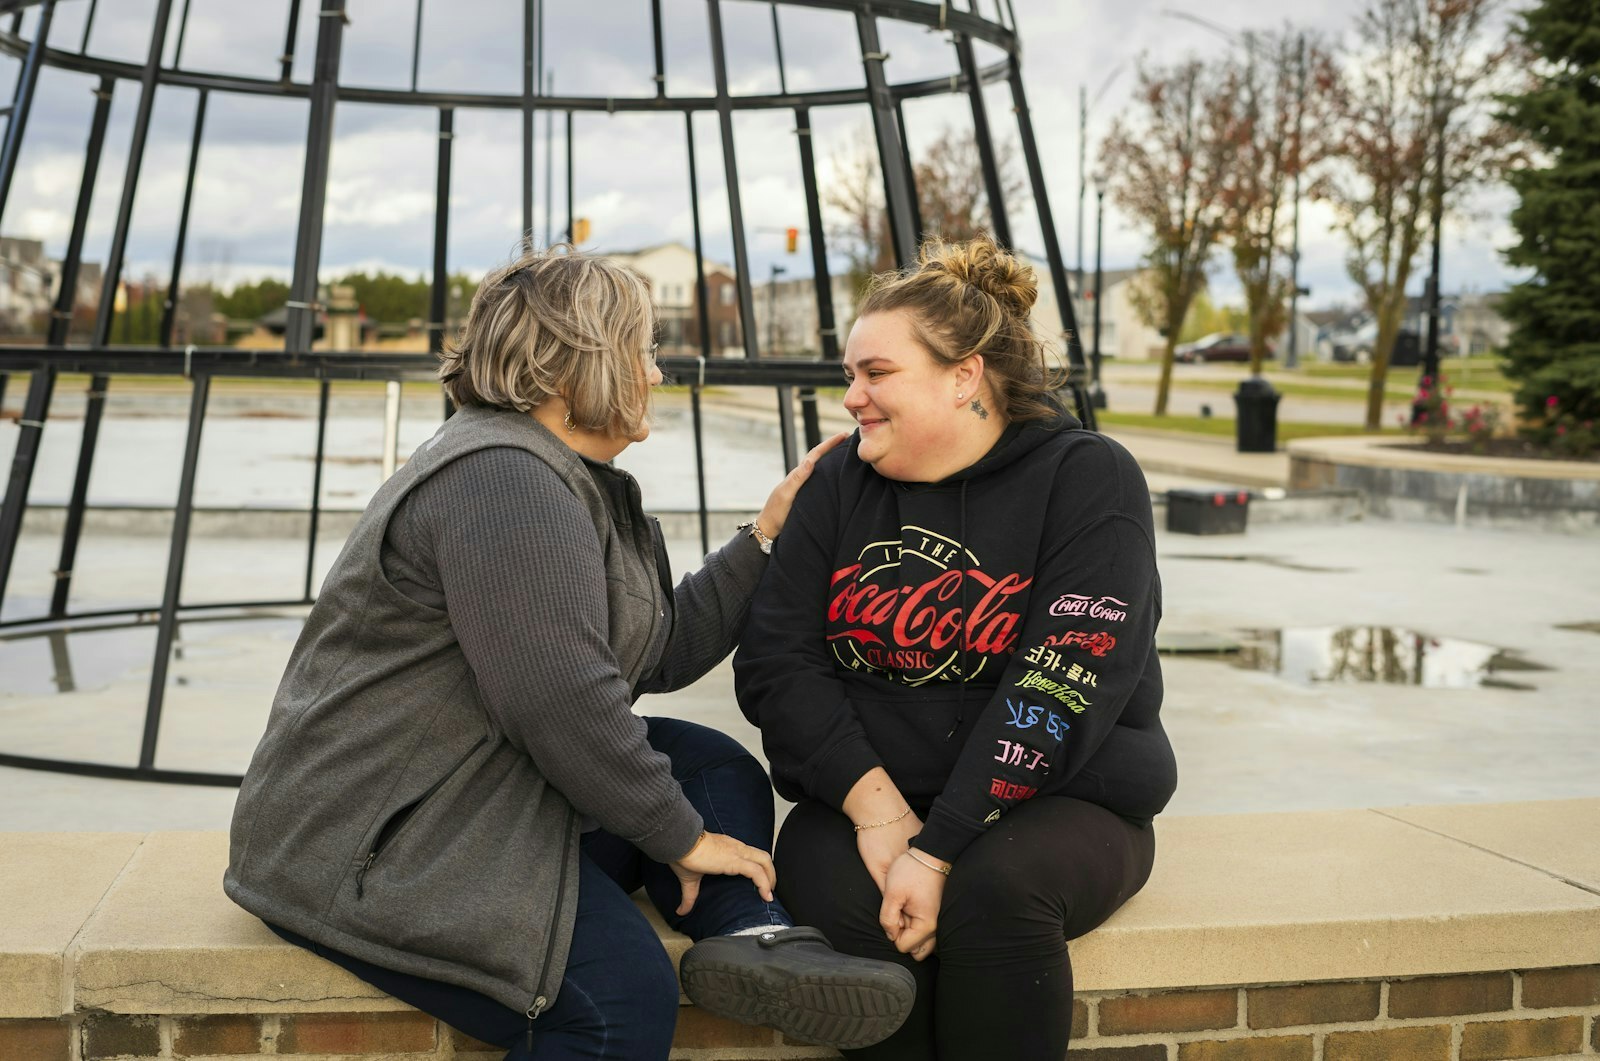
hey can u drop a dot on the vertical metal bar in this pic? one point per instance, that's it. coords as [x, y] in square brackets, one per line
[527, 122]
[911, 171]
[169, 314]
[416, 47]
[323, 388]
[88, 24]
[700, 466]
[777, 48]
[701, 295]
[183, 31]
[22, 102]
[819, 247]
[71, 264]
[35, 407]
[179, 552]
[999, 224]
[287, 58]
[41, 386]
[1096, 395]
[94, 409]
[1047, 223]
[441, 233]
[660, 77]
[94, 413]
[570, 219]
[897, 193]
[549, 162]
[302, 318]
[390, 458]
[730, 170]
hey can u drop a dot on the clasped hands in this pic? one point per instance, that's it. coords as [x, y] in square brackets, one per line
[912, 890]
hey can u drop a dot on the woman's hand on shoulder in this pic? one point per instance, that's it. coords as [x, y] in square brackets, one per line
[775, 513]
[719, 853]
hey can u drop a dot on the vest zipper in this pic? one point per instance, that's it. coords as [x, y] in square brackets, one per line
[540, 1001]
[397, 821]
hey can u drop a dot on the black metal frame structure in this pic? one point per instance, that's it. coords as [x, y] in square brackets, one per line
[323, 91]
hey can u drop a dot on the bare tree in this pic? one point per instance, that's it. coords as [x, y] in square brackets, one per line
[1168, 167]
[1423, 71]
[1283, 98]
[950, 197]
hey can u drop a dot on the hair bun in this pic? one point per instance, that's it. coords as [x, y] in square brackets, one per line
[984, 264]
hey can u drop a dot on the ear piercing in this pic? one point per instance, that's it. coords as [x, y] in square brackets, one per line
[960, 396]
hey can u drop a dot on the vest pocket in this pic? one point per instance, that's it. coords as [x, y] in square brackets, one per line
[398, 820]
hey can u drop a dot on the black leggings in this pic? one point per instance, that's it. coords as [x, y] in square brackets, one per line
[1000, 981]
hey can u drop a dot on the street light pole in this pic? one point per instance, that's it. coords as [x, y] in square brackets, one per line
[1083, 151]
[1097, 394]
[772, 310]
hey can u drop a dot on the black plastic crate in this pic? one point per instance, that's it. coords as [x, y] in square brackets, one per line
[1207, 511]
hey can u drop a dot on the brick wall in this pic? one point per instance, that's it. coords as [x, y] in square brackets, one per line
[1541, 1013]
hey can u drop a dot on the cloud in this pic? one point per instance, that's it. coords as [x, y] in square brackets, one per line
[630, 169]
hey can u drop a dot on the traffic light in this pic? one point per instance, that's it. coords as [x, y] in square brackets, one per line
[791, 238]
[580, 230]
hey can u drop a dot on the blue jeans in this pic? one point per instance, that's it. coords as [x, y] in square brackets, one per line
[619, 996]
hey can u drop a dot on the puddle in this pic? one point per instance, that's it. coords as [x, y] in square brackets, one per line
[1257, 558]
[1583, 628]
[1389, 655]
[92, 658]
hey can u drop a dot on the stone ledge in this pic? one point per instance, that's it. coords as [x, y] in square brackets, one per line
[1385, 451]
[132, 924]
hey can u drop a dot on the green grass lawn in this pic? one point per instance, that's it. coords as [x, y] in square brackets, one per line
[1300, 390]
[1223, 428]
[1473, 373]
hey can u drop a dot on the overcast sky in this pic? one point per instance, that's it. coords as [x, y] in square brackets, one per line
[631, 171]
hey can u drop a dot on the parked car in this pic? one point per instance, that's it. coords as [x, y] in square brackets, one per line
[1220, 346]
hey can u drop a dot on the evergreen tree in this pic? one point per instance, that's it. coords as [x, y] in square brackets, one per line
[1554, 349]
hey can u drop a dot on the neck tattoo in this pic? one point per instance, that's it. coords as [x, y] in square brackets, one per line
[977, 407]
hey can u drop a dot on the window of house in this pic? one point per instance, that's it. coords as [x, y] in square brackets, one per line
[725, 331]
[727, 294]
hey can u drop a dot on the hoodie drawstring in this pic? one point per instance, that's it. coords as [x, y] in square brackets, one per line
[961, 637]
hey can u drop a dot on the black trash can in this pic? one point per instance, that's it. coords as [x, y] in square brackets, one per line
[1256, 425]
[1407, 352]
[1207, 511]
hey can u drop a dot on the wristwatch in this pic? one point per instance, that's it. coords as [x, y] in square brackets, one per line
[755, 532]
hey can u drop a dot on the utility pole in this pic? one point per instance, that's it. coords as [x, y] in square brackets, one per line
[1083, 151]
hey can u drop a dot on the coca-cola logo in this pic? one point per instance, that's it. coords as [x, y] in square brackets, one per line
[917, 631]
[1108, 608]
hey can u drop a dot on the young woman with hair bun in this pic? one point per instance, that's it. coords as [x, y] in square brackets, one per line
[952, 661]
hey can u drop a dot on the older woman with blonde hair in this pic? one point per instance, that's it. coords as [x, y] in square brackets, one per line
[952, 661]
[453, 798]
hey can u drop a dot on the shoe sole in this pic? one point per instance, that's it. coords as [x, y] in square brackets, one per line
[845, 1011]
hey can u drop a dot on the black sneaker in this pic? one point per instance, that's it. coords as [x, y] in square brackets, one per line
[791, 979]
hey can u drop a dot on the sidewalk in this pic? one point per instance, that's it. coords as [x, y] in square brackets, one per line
[1211, 461]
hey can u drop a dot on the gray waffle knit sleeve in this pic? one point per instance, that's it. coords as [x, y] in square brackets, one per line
[517, 561]
[710, 607]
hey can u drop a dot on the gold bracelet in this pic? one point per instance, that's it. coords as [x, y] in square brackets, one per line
[886, 821]
[941, 870]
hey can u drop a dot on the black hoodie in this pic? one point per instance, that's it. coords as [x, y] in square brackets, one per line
[984, 639]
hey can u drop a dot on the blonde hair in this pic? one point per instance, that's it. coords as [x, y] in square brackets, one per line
[975, 298]
[561, 323]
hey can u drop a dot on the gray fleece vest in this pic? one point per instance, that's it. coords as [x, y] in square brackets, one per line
[382, 814]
